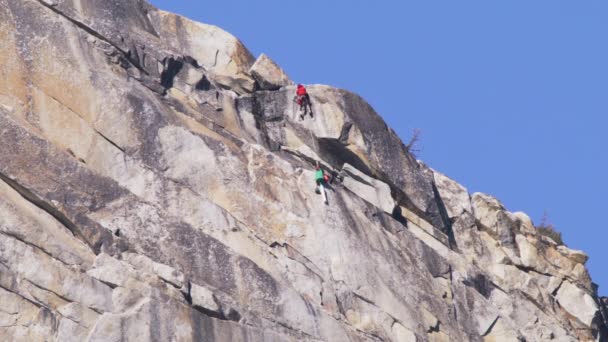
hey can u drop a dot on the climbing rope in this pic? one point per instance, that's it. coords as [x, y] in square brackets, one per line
[296, 109]
[314, 141]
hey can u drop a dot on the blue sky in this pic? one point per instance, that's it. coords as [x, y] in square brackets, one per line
[511, 96]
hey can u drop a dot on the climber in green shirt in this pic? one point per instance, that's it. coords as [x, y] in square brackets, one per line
[321, 179]
[319, 175]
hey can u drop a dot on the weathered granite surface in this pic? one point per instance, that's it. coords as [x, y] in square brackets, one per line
[157, 185]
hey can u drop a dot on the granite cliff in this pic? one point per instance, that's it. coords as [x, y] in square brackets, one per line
[157, 185]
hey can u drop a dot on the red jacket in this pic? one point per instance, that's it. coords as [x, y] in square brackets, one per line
[301, 90]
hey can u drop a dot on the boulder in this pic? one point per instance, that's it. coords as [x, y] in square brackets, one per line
[373, 191]
[493, 217]
[525, 223]
[574, 255]
[203, 298]
[240, 83]
[402, 334]
[577, 302]
[165, 272]
[268, 74]
[454, 196]
[111, 271]
[213, 48]
[528, 252]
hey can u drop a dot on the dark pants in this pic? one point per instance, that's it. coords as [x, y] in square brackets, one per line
[305, 106]
[319, 182]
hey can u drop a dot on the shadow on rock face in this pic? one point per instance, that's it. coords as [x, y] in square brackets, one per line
[337, 154]
[481, 284]
[172, 68]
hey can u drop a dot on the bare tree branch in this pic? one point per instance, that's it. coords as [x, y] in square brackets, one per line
[412, 147]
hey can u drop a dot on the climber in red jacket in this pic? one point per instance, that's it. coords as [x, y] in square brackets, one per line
[303, 100]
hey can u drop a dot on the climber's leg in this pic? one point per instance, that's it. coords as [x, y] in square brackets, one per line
[308, 105]
[322, 189]
[300, 100]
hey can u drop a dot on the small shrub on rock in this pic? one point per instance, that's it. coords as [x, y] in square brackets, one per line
[547, 229]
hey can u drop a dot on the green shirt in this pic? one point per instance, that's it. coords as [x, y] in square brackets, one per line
[319, 174]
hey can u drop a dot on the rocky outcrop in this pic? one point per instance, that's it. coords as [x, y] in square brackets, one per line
[157, 185]
[268, 74]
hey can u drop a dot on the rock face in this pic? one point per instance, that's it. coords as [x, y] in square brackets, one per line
[156, 185]
[268, 74]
